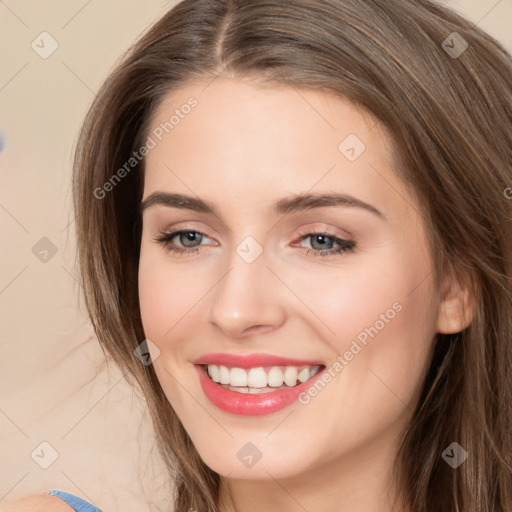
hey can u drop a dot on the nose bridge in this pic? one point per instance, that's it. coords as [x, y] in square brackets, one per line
[244, 298]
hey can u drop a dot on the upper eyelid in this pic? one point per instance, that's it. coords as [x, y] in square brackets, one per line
[335, 232]
[187, 226]
[328, 232]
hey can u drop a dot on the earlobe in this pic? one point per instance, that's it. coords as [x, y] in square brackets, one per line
[456, 309]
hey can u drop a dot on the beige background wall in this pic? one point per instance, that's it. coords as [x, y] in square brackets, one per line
[54, 388]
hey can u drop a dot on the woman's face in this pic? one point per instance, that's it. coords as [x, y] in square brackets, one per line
[297, 248]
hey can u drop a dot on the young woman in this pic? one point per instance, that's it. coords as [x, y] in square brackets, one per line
[294, 233]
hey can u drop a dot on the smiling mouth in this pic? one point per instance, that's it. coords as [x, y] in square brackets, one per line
[260, 379]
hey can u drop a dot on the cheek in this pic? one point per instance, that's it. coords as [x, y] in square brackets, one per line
[157, 302]
[380, 326]
[381, 315]
[348, 300]
[166, 294]
[169, 285]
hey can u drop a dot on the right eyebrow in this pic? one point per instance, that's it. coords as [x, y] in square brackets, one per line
[177, 201]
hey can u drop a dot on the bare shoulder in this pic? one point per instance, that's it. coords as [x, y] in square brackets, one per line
[38, 502]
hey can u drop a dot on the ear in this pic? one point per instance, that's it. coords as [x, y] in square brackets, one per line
[457, 307]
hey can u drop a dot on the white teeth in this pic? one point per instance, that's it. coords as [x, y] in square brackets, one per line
[275, 377]
[213, 372]
[254, 391]
[238, 377]
[314, 370]
[224, 375]
[239, 389]
[304, 375]
[290, 376]
[259, 380]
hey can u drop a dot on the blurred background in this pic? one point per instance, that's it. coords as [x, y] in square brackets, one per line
[67, 421]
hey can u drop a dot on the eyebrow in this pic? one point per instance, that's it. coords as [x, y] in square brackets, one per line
[283, 206]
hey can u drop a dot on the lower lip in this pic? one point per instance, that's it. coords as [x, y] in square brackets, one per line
[246, 404]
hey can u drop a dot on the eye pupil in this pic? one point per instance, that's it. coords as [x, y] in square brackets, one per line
[190, 238]
[321, 242]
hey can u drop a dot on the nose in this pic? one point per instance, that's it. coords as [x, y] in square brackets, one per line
[247, 300]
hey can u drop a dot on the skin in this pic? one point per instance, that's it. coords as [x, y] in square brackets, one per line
[40, 502]
[244, 147]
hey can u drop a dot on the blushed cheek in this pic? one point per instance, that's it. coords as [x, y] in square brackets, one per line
[166, 300]
[152, 303]
[393, 347]
[368, 312]
[160, 303]
[170, 300]
[347, 303]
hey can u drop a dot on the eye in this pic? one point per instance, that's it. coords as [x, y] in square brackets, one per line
[326, 244]
[187, 241]
[183, 241]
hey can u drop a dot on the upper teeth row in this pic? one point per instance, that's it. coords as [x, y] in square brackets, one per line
[259, 378]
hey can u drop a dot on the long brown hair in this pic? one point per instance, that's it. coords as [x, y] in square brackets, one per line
[448, 109]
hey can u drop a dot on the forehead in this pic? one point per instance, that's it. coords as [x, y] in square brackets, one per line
[233, 135]
[229, 105]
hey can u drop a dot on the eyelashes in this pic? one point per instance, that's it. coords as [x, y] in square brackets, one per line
[321, 243]
[186, 236]
[318, 242]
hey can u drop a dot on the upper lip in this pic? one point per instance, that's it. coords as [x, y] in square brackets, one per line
[253, 360]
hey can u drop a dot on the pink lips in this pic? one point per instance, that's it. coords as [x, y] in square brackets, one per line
[249, 404]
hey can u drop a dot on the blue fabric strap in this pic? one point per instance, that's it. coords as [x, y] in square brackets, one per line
[77, 503]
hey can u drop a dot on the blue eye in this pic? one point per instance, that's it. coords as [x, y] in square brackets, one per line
[190, 238]
[320, 244]
[183, 241]
[324, 244]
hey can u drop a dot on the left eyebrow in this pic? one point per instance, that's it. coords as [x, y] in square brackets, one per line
[309, 201]
[283, 206]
